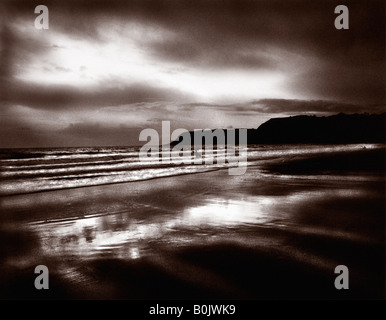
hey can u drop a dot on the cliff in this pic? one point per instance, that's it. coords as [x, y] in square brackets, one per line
[336, 129]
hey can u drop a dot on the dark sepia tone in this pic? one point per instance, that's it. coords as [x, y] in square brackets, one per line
[76, 197]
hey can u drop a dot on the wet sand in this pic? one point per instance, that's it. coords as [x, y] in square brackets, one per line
[275, 232]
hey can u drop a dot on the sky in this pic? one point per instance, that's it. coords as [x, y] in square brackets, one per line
[105, 70]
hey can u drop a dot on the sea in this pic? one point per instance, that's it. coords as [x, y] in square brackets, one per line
[27, 170]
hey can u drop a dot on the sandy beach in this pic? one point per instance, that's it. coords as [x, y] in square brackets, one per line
[179, 150]
[274, 232]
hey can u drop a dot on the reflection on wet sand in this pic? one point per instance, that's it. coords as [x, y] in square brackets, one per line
[126, 235]
[204, 235]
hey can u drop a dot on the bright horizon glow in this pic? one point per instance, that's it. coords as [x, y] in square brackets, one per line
[120, 59]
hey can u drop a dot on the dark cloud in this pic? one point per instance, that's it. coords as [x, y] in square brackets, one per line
[6, 40]
[288, 106]
[343, 69]
[24, 131]
[19, 133]
[56, 97]
[16, 50]
[206, 55]
[293, 24]
[344, 82]
[311, 106]
[246, 34]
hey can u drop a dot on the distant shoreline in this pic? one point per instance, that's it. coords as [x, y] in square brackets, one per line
[336, 129]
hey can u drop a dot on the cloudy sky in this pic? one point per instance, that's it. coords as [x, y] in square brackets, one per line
[105, 70]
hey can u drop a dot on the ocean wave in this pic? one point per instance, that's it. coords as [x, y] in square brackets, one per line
[34, 170]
